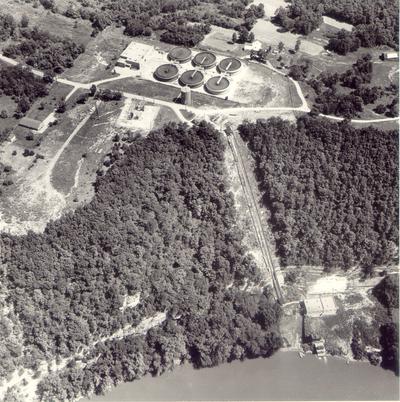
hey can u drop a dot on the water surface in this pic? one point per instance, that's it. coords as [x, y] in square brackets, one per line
[283, 377]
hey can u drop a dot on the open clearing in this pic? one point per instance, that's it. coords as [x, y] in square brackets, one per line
[77, 30]
[270, 34]
[220, 39]
[337, 24]
[100, 52]
[70, 154]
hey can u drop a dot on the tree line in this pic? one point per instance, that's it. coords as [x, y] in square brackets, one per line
[161, 223]
[332, 96]
[331, 190]
[22, 85]
[180, 22]
[376, 22]
[44, 51]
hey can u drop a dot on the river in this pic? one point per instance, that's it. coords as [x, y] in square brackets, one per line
[285, 376]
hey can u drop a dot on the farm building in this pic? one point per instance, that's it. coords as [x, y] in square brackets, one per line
[33, 124]
[390, 56]
[319, 306]
[134, 56]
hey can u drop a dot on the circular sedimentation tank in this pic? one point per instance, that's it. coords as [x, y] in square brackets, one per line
[192, 78]
[217, 85]
[204, 60]
[230, 65]
[166, 72]
[180, 54]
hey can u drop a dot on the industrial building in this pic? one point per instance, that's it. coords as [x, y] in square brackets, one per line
[390, 56]
[319, 306]
[32, 124]
[134, 56]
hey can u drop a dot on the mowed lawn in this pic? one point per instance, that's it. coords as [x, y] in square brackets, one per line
[42, 107]
[164, 92]
[8, 105]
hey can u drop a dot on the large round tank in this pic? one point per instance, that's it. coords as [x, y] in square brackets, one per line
[204, 60]
[217, 85]
[192, 78]
[180, 54]
[230, 65]
[166, 72]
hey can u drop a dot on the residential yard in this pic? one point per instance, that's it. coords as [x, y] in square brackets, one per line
[7, 104]
[42, 107]
[32, 201]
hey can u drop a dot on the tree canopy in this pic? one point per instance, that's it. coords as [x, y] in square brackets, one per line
[331, 190]
[162, 224]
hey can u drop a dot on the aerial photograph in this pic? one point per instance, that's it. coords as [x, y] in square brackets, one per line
[199, 200]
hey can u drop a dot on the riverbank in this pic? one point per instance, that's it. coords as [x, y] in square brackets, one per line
[285, 376]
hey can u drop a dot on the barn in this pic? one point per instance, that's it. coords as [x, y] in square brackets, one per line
[32, 124]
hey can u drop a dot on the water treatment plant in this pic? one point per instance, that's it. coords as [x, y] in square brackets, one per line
[211, 73]
[180, 54]
[166, 72]
[217, 85]
[192, 78]
[230, 65]
[205, 60]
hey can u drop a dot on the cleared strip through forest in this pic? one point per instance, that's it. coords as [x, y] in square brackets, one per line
[269, 269]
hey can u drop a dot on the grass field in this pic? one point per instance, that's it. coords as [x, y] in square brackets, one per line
[100, 52]
[220, 39]
[7, 104]
[164, 116]
[77, 30]
[263, 87]
[93, 140]
[164, 92]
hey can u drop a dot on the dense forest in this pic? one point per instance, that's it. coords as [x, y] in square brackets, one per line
[332, 190]
[44, 51]
[21, 84]
[345, 94]
[376, 22]
[387, 292]
[180, 22]
[162, 225]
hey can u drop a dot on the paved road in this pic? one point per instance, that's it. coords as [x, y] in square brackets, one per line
[303, 108]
